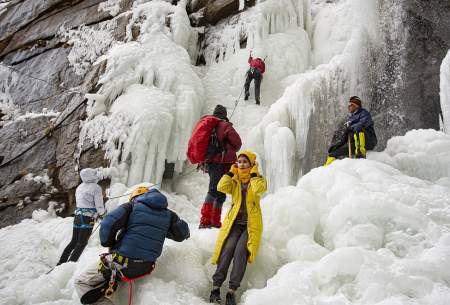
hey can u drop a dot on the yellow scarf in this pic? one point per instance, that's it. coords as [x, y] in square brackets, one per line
[244, 175]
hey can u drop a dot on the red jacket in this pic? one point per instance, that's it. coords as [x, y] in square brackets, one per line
[257, 63]
[230, 140]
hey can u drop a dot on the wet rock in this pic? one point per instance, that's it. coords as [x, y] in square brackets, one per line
[416, 39]
[219, 9]
[47, 26]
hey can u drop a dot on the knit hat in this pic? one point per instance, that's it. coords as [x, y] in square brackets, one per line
[355, 100]
[220, 112]
[249, 155]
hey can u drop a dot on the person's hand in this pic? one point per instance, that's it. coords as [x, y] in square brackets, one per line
[347, 124]
[234, 169]
[101, 216]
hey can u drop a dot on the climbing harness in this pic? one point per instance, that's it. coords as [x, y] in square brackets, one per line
[85, 216]
[113, 264]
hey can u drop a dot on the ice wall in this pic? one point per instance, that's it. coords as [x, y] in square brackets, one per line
[150, 96]
[255, 25]
[445, 92]
[316, 100]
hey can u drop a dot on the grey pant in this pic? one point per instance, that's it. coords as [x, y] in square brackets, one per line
[235, 248]
[90, 279]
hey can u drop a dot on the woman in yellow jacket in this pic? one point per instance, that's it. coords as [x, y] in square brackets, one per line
[240, 234]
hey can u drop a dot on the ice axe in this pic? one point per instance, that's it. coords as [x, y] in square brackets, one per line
[349, 147]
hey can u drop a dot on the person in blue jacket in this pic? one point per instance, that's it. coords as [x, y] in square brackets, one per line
[359, 129]
[134, 233]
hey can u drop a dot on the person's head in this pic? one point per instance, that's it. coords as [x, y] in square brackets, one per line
[138, 191]
[245, 159]
[90, 175]
[220, 112]
[354, 104]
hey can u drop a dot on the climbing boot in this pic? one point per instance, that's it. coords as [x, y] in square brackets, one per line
[329, 161]
[215, 218]
[230, 298]
[98, 292]
[214, 297]
[205, 219]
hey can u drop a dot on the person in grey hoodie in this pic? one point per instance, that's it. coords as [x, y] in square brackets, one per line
[90, 206]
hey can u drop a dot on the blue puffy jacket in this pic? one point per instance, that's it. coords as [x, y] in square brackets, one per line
[360, 120]
[145, 224]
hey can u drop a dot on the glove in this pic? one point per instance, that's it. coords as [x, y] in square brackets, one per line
[332, 148]
[234, 170]
[348, 126]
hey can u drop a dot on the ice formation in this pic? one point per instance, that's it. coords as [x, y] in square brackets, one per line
[150, 98]
[356, 232]
[445, 92]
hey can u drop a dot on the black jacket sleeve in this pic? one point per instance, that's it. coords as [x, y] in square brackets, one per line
[179, 229]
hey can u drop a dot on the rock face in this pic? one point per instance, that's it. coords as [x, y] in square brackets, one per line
[42, 81]
[416, 40]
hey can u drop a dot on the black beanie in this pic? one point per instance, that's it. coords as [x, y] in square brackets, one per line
[220, 112]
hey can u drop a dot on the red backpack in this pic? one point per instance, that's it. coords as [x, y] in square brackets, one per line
[200, 139]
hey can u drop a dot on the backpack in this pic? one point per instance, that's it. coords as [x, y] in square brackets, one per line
[204, 143]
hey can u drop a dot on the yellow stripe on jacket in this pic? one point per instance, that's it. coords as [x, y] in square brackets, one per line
[231, 185]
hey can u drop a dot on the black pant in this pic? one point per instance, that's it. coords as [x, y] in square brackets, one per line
[215, 172]
[133, 270]
[253, 74]
[342, 150]
[80, 238]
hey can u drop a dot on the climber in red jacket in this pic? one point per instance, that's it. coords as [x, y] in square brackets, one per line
[256, 71]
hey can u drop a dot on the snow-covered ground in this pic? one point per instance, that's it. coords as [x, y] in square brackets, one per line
[373, 231]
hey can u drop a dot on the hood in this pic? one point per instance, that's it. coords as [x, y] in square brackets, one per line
[249, 154]
[153, 199]
[89, 175]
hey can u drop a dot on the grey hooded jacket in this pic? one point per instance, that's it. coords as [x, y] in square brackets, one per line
[89, 194]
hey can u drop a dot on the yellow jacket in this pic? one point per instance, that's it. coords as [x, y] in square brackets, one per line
[231, 185]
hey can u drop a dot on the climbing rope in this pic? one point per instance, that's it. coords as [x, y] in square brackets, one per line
[236, 102]
[47, 132]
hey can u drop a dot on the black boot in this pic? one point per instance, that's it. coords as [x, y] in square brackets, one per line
[246, 97]
[214, 297]
[230, 298]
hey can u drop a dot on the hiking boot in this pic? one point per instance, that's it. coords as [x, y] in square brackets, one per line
[204, 226]
[214, 297]
[230, 298]
[257, 103]
[205, 218]
[215, 218]
[246, 97]
[95, 294]
[360, 156]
